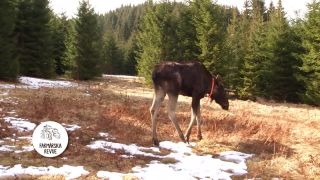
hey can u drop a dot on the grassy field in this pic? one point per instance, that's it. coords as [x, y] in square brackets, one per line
[285, 138]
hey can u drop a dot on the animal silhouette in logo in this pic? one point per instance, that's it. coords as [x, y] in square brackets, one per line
[48, 132]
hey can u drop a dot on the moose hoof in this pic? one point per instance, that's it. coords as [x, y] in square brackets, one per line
[155, 142]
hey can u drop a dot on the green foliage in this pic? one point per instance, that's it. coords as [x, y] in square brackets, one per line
[281, 69]
[60, 27]
[8, 61]
[210, 32]
[88, 44]
[311, 59]
[35, 38]
[113, 57]
[254, 50]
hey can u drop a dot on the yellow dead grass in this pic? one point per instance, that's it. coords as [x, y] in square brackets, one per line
[285, 138]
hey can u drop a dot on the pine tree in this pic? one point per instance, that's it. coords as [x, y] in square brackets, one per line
[311, 59]
[34, 38]
[88, 44]
[8, 61]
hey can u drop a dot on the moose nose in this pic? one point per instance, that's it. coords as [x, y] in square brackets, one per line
[225, 106]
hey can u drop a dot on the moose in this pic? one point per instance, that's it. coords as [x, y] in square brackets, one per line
[189, 79]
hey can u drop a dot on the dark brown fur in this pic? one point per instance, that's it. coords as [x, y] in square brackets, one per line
[189, 79]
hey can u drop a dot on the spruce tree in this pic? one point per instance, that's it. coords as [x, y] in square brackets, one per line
[8, 61]
[254, 53]
[208, 20]
[88, 43]
[35, 38]
[149, 43]
[59, 26]
[282, 67]
[311, 59]
[235, 53]
[113, 57]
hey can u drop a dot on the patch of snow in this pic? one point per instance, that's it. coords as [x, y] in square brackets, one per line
[29, 138]
[69, 172]
[121, 76]
[37, 83]
[188, 165]
[6, 93]
[20, 124]
[25, 149]
[6, 148]
[71, 127]
[106, 136]
[131, 149]
[110, 175]
[7, 86]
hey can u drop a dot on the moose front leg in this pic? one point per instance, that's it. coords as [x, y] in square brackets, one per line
[195, 112]
[199, 121]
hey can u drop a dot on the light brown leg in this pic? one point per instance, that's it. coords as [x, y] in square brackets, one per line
[159, 95]
[192, 122]
[195, 115]
[172, 115]
[199, 121]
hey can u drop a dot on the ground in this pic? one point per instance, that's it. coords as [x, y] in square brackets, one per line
[283, 138]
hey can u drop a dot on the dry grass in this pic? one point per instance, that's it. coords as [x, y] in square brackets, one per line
[285, 138]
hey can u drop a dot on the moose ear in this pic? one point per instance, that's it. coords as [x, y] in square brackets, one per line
[218, 79]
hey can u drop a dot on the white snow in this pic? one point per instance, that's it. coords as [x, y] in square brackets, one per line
[131, 149]
[69, 172]
[20, 124]
[25, 149]
[121, 76]
[37, 83]
[71, 127]
[6, 148]
[110, 175]
[188, 166]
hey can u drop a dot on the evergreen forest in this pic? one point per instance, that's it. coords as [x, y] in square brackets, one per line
[258, 51]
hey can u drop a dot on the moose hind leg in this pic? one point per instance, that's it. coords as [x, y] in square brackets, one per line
[172, 115]
[154, 110]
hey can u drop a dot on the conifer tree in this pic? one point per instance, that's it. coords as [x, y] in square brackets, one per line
[235, 53]
[208, 20]
[35, 38]
[254, 53]
[149, 43]
[88, 43]
[8, 61]
[281, 69]
[311, 59]
[113, 57]
[59, 38]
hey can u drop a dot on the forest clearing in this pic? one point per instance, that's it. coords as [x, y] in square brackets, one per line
[109, 127]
